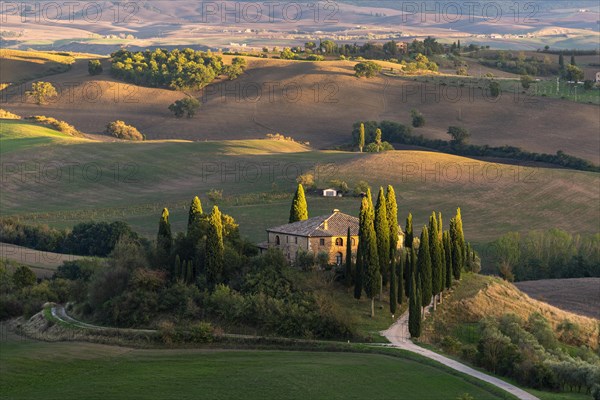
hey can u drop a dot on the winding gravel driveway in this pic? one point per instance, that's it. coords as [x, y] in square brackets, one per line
[399, 337]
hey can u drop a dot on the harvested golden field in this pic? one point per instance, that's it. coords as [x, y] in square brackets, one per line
[577, 295]
[317, 102]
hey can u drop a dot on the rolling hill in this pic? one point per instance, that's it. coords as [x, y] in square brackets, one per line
[325, 99]
[80, 180]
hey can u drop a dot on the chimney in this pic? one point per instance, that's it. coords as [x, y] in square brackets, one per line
[325, 225]
[335, 210]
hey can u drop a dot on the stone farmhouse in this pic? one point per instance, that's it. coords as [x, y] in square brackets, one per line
[325, 233]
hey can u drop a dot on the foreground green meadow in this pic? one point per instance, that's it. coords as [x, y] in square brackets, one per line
[51, 179]
[81, 370]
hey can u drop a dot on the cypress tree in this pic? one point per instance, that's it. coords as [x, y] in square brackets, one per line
[400, 277]
[436, 259]
[299, 210]
[414, 309]
[214, 247]
[468, 260]
[194, 214]
[409, 266]
[573, 59]
[440, 225]
[348, 271]
[457, 251]
[448, 259]
[392, 215]
[443, 266]
[393, 291]
[461, 236]
[358, 274]
[561, 62]
[424, 268]
[370, 259]
[164, 239]
[408, 232]
[361, 137]
[382, 232]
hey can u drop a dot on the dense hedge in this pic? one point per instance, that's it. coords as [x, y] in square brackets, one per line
[397, 133]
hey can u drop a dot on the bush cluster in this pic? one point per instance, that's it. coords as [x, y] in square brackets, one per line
[56, 124]
[121, 130]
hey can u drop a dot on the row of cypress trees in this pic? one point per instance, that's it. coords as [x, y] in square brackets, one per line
[377, 256]
[441, 257]
[199, 225]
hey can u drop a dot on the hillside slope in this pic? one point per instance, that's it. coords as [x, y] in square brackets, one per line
[478, 297]
[318, 102]
[134, 181]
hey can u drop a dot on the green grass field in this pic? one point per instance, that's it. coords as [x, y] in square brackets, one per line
[82, 370]
[66, 180]
[16, 135]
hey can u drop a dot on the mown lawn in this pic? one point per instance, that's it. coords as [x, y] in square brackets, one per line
[74, 370]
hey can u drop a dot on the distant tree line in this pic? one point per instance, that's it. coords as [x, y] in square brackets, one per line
[397, 133]
[543, 255]
[175, 69]
[85, 239]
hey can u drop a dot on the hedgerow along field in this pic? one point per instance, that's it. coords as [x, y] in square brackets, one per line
[69, 181]
[32, 369]
[325, 99]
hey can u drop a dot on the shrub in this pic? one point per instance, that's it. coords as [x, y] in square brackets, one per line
[8, 115]
[306, 180]
[418, 120]
[23, 277]
[368, 69]
[94, 67]
[123, 131]
[41, 92]
[186, 106]
[56, 124]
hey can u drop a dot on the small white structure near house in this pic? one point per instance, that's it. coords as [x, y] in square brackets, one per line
[330, 192]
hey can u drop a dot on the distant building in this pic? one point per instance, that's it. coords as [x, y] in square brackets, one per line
[325, 233]
[330, 192]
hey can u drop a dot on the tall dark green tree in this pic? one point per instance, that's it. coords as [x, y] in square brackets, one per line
[299, 210]
[195, 217]
[392, 215]
[400, 278]
[382, 231]
[436, 259]
[424, 268]
[440, 225]
[361, 137]
[164, 239]
[393, 290]
[215, 248]
[408, 232]
[461, 236]
[177, 268]
[370, 259]
[448, 259]
[348, 270]
[414, 309]
[457, 251]
[561, 62]
[358, 274]
[410, 265]
[573, 59]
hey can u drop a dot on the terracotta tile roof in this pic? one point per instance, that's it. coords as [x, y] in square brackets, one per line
[334, 224]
